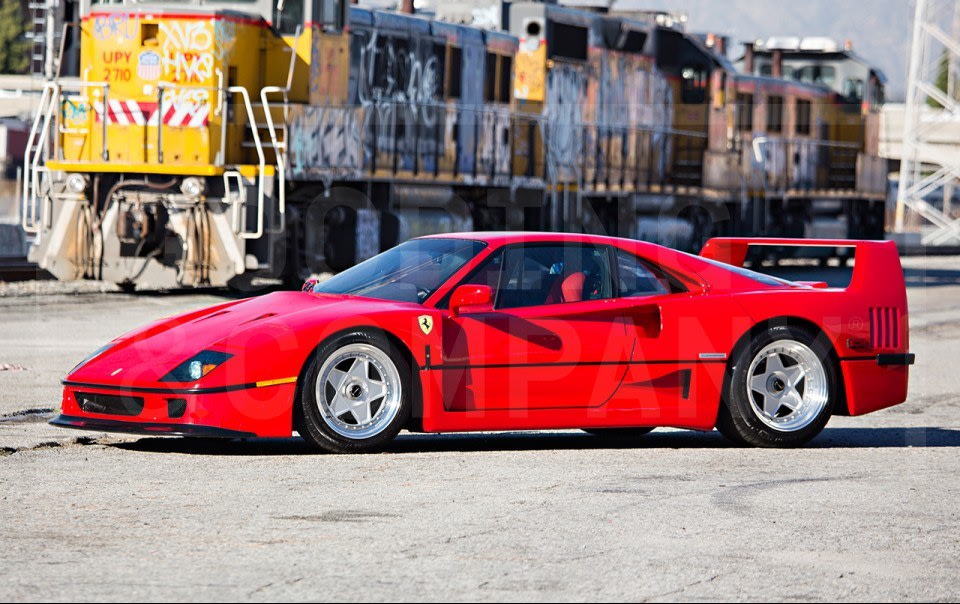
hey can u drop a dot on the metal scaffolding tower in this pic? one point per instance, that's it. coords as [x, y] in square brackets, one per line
[46, 21]
[936, 39]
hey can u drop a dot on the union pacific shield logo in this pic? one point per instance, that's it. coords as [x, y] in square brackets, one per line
[148, 65]
[426, 323]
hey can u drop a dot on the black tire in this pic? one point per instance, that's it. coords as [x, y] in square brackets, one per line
[618, 433]
[743, 421]
[315, 421]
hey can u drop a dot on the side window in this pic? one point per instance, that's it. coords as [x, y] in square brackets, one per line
[775, 114]
[693, 86]
[554, 274]
[490, 78]
[331, 13]
[454, 80]
[803, 117]
[637, 278]
[488, 273]
[744, 112]
[290, 19]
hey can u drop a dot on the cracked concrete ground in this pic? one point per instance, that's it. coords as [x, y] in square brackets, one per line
[867, 512]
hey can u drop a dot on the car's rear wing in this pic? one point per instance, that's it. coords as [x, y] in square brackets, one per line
[876, 263]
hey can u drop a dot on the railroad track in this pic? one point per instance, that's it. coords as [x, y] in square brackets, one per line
[18, 269]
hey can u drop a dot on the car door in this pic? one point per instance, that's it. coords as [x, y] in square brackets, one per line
[552, 341]
[675, 373]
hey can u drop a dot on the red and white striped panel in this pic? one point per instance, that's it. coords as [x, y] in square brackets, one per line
[123, 113]
[183, 115]
[130, 113]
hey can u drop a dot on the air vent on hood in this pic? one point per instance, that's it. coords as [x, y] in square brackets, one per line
[260, 318]
[216, 314]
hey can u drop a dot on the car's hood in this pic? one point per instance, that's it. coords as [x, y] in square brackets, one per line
[143, 357]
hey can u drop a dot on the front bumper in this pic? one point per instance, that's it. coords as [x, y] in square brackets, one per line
[246, 411]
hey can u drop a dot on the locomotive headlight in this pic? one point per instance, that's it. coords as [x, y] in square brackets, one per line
[192, 187]
[76, 183]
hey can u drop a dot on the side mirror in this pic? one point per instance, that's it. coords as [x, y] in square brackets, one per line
[308, 285]
[468, 299]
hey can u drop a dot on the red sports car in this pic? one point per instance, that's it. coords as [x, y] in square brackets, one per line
[517, 331]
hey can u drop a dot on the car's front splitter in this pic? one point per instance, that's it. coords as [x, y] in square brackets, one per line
[151, 428]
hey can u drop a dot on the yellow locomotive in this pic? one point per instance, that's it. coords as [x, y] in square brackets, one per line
[208, 142]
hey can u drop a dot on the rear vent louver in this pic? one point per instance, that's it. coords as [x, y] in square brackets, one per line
[885, 327]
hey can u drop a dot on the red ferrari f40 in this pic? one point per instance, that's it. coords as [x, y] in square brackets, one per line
[517, 331]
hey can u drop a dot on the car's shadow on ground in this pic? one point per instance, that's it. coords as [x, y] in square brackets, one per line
[831, 438]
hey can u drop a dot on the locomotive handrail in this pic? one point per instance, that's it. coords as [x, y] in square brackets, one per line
[279, 149]
[31, 158]
[242, 91]
[780, 171]
[759, 141]
[50, 98]
[161, 87]
[293, 56]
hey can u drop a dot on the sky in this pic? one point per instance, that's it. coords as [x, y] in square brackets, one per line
[880, 30]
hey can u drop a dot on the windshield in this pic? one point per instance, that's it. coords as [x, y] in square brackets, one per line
[409, 272]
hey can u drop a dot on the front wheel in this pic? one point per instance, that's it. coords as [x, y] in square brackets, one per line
[781, 390]
[356, 394]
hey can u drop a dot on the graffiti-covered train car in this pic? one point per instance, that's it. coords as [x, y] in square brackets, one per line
[209, 142]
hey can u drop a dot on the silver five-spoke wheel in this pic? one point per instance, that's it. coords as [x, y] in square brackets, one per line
[787, 385]
[356, 394]
[358, 391]
[780, 388]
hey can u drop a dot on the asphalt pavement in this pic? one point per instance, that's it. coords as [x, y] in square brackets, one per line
[867, 512]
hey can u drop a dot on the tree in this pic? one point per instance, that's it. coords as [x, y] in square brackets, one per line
[943, 78]
[14, 48]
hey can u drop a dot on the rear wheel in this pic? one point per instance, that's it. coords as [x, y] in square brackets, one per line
[356, 394]
[781, 390]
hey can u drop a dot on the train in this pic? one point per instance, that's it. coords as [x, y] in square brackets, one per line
[212, 143]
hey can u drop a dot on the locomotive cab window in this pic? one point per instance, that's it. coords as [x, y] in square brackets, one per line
[331, 14]
[816, 74]
[288, 16]
[693, 87]
[853, 89]
[568, 42]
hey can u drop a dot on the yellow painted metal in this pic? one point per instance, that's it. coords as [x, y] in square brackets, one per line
[168, 70]
[531, 74]
[245, 170]
[330, 68]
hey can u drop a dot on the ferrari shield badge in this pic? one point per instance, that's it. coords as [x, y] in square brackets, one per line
[426, 323]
